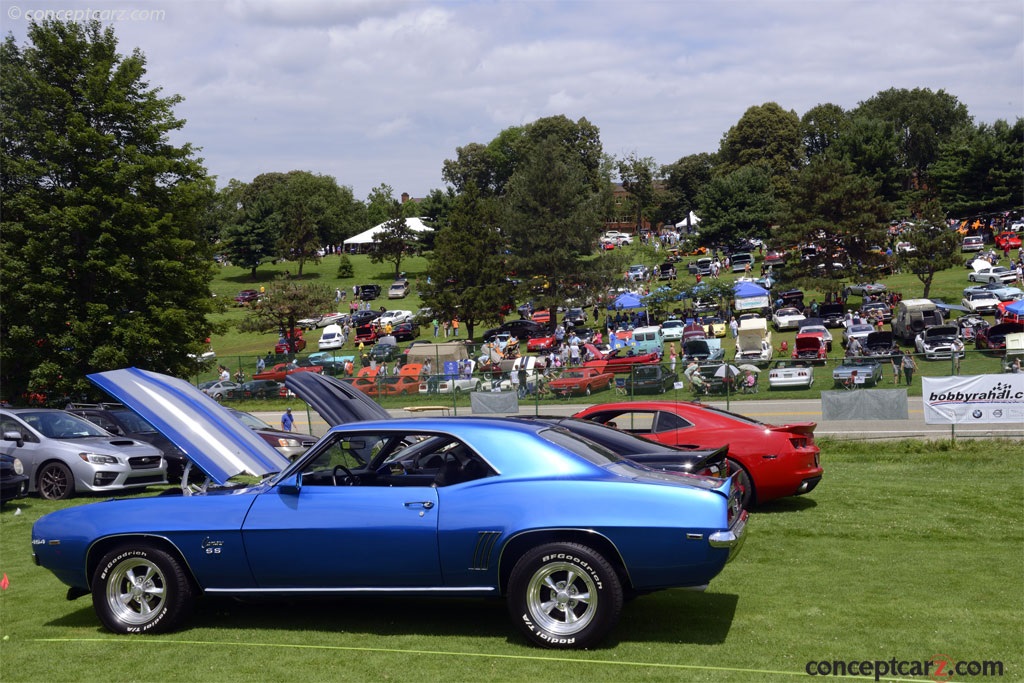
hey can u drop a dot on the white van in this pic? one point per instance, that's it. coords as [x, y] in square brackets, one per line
[648, 339]
[332, 338]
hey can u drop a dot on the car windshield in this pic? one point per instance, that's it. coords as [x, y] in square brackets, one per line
[61, 425]
[134, 423]
[250, 421]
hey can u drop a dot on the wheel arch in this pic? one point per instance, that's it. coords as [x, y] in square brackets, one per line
[99, 549]
[521, 543]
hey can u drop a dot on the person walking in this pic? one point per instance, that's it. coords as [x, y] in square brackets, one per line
[287, 420]
[909, 366]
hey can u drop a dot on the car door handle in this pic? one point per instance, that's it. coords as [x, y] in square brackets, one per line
[425, 504]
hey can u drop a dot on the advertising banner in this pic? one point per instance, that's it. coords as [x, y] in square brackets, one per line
[974, 399]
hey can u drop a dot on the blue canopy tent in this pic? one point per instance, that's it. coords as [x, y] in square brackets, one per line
[626, 300]
[1016, 308]
[750, 296]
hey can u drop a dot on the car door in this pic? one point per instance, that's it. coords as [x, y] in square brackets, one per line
[345, 527]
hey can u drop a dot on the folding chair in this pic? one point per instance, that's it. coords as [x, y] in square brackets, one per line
[620, 386]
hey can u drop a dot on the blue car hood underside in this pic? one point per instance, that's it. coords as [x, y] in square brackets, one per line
[214, 441]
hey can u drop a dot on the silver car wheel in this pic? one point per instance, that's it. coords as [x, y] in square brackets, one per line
[136, 591]
[561, 599]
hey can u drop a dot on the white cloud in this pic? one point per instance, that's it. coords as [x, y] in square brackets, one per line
[374, 91]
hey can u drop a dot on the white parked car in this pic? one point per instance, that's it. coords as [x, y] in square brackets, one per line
[791, 373]
[980, 302]
[992, 274]
[332, 338]
[787, 318]
[394, 317]
[672, 330]
[940, 342]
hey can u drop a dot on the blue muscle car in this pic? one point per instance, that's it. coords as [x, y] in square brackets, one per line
[560, 526]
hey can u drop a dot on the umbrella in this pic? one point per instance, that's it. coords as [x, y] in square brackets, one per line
[751, 368]
[727, 370]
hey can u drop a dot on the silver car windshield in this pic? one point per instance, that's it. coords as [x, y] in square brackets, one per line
[61, 425]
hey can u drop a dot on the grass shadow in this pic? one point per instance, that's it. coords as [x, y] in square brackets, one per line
[790, 504]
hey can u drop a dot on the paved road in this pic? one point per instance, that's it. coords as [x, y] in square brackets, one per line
[776, 411]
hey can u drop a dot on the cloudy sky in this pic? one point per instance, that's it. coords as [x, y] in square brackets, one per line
[383, 91]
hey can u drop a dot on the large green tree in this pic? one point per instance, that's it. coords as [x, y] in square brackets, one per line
[737, 205]
[285, 302]
[467, 269]
[638, 176]
[393, 242]
[684, 181]
[936, 246]
[979, 170]
[105, 260]
[766, 135]
[838, 211]
[550, 218]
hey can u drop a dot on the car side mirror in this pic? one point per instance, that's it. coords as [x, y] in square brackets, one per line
[291, 486]
[15, 437]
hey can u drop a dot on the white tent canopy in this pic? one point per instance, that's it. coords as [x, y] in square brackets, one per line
[694, 220]
[367, 237]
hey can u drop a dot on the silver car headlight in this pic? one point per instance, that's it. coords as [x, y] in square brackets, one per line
[288, 443]
[18, 467]
[98, 458]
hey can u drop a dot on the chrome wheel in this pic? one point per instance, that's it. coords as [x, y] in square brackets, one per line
[136, 591]
[561, 599]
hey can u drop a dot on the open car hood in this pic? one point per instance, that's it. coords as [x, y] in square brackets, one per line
[336, 402]
[216, 442]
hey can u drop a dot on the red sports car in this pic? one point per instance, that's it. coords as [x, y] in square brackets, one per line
[545, 343]
[575, 381]
[1007, 240]
[620, 360]
[770, 461]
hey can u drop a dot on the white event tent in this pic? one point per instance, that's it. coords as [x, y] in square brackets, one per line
[367, 237]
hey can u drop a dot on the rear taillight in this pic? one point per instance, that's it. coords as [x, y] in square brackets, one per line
[799, 442]
[735, 505]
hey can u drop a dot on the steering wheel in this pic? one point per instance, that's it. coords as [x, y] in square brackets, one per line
[348, 480]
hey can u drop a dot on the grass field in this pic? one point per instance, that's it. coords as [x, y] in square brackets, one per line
[907, 550]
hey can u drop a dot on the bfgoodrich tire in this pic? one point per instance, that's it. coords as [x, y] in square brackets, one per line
[141, 589]
[564, 595]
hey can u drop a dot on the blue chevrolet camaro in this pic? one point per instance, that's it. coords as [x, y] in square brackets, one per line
[561, 527]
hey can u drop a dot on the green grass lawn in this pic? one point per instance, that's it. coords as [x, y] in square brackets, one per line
[905, 551]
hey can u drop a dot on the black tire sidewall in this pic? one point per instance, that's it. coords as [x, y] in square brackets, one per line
[178, 590]
[609, 594]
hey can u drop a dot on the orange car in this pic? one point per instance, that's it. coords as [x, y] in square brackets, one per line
[407, 381]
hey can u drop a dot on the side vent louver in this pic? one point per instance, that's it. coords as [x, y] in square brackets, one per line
[485, 541]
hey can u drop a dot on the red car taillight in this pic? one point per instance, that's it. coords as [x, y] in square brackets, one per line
[799, 442]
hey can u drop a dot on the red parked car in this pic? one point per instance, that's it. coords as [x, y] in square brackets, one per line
[1007, 240]
[545, 343]
[810, 346]
[770, 461]
[576, 381]
[621, 359]
[278, 371]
